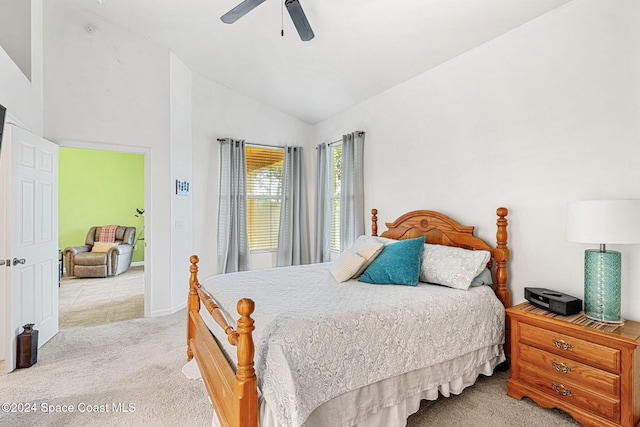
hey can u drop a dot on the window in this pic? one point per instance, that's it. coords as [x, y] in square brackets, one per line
[264, 194]
[336, 156]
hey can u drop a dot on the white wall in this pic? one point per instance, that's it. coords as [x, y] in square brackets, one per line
[15, 32]
[545, 114]
[181, 169]
[23, 96]
[219, 112]
[112, 90]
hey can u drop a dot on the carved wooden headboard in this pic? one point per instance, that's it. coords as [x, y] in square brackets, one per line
[439, 229]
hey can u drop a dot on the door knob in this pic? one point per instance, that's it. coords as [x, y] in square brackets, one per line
[17, 261]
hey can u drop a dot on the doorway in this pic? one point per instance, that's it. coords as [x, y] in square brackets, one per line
[100, 185]
[96, 300]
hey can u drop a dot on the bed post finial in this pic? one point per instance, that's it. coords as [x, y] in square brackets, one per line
[246, 374]
[501, 255]
[374, 222]
[193, 301]
[245, 340]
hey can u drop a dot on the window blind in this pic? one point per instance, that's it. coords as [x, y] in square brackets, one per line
[336, 155]
[264, 195]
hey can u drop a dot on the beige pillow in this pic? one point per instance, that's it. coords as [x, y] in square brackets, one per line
[346, 265]
[102, 246]
[354, 261]
[368, 249]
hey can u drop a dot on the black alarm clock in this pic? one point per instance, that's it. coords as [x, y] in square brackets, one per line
[554, 301]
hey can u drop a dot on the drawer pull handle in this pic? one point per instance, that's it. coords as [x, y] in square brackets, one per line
[561, 389]
[561, 367]
[563, 345]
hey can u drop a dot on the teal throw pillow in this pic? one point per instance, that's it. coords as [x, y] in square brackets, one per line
[397, 264]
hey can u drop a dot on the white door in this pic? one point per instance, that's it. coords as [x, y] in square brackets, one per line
[29, 242]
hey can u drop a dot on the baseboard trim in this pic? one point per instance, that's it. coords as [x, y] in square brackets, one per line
[161, 313]
[178, 307]
[168, 311]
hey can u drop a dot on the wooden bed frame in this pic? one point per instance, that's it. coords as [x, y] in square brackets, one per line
[234, 393]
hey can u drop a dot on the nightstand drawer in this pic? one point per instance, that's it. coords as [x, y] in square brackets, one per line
[573, 395]
[570, 347]
[569, 371]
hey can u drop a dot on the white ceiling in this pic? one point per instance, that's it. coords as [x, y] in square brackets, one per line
[361, 47]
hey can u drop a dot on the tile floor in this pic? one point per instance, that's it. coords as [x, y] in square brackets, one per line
[92, 301]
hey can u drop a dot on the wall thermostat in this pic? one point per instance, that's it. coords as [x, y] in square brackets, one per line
[182, 187]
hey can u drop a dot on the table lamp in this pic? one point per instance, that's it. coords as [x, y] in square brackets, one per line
[603, 222]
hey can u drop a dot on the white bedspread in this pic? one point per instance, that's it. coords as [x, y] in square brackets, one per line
[317, 339]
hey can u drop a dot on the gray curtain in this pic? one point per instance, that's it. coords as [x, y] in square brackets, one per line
[233, 239]
[293, 234]
[323, 204]
[352, 190]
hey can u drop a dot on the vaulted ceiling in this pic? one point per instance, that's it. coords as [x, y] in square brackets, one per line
[361, 47]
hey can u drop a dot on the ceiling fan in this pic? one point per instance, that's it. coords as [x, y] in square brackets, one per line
[293, 7]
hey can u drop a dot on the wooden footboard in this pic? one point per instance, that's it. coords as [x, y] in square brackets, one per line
[234, 394]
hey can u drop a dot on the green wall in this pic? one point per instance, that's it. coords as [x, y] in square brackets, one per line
[99, 188]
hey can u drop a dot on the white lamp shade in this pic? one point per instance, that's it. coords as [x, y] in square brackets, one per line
[603, 221]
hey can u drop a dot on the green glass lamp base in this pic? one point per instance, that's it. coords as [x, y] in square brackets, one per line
[602, 290]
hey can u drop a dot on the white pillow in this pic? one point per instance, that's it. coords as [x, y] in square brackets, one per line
[387, 241]
[451, 266]
[346, 265]
[361, 240]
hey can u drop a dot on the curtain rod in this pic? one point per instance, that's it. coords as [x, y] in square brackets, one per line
[254, 144]
[330, 144]
[338, 141]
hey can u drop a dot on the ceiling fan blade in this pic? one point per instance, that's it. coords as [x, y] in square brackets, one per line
[240, 10]
[299, 19]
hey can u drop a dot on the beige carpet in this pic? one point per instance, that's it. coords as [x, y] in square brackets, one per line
[93, 301]
[136, 364]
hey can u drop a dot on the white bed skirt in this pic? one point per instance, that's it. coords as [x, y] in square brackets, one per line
[380, 404]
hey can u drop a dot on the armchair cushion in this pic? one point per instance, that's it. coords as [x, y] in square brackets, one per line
[102, 246]
[90, 259]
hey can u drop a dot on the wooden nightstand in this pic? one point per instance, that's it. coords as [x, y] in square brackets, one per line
[588, 369]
